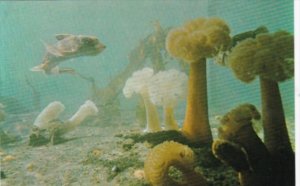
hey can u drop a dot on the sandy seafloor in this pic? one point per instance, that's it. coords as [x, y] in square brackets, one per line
[94, 155]
[63, 164]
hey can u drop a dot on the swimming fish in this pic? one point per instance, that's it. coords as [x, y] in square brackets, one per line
[67, 47]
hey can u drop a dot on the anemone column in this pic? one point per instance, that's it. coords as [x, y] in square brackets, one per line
[270, 57]
[260, 172]
[275, 131]
[196, 124]
[195, 41]
[240, 147]
[170, 122]
[153, 124]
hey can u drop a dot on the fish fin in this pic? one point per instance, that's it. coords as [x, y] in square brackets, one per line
[38, 68]
[62, 36]
[67, 70]
[52, 50]
[55, 70]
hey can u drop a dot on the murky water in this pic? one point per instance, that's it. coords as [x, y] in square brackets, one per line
[89, 49]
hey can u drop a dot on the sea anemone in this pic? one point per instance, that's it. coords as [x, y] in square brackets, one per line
[48, 121]
[236, 126]
[87, 109]
[270, 57]
[195, 41]
[49, 113]
[231, 154]
[167, 154]
[138, 83]
[166, 88]
[240, 147]
[236, 119]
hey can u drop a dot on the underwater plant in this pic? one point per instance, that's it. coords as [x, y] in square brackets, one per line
[106, 98]
[222, 56]
[2, 113]
[154, 47]
[13, 105]
[195, 41]
[240, 147]
[4, 137]
[248, 34]
[48, 121]
[138, 83]
[166, 88]
[270, 57]
[36, 95]
[167, 154]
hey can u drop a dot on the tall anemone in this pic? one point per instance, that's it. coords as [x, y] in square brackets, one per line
[193, 42]
[138, 83]
[270, 57]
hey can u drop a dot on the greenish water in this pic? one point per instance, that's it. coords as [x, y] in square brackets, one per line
[120, 25]
[123, 26]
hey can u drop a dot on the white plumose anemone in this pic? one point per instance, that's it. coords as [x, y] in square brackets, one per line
[138, 83]
[166, 88]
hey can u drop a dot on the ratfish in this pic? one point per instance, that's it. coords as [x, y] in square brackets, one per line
[67, 47]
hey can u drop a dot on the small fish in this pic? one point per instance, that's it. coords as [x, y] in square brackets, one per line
[67, 47]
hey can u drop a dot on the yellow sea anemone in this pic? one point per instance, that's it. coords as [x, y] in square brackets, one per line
[270, 57]
[168, 154]
[195, 41]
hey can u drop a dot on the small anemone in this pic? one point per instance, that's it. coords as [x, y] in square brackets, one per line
[167, 154]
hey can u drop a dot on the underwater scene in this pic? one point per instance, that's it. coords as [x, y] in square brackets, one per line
[147, 92]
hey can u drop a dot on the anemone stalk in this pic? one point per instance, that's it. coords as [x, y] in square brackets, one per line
[196, 124]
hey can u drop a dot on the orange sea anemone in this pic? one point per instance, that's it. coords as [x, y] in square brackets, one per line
[195, 41]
